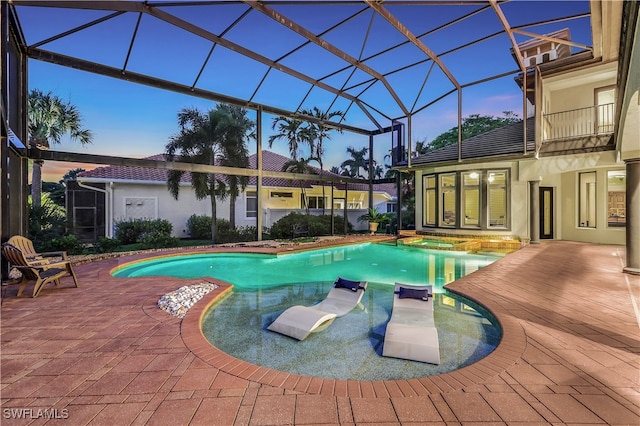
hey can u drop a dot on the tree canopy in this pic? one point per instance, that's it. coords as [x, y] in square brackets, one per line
[473, 125]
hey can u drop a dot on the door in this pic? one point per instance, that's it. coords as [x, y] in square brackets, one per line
[546, 213]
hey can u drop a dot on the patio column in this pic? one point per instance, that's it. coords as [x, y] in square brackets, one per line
[633, 216]
[534, 211]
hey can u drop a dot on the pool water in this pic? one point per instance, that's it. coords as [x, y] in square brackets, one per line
[351, 347]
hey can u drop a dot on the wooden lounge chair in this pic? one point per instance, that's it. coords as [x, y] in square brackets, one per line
[411, 332]
[300, 321]
[25, 245]
[42, 274]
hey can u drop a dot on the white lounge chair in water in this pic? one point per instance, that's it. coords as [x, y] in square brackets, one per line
[299, 321]
[411, 332]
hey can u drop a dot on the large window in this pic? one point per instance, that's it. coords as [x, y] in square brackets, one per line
[448, 197]
[429, 208]
[315, 202]
[497, 203]
[471, 199]
[251, 203]
[616, 198]
[587, 200]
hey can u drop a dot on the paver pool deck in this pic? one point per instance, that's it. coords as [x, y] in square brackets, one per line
[104, 353]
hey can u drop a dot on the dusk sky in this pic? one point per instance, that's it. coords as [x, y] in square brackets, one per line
[129, 119]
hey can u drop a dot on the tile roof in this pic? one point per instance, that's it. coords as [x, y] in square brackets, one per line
[503, 141]
[270, 161]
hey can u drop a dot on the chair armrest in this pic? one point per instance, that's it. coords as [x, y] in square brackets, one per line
[62, 254]
[62, 264]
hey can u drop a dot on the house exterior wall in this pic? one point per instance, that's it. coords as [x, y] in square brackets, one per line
[275, 207]
[162, 205]
[153, 201]
[560, 173]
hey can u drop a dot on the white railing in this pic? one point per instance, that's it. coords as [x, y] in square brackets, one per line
[589, 121]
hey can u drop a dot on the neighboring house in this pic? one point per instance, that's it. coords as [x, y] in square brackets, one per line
[103, 196]
[568, 181]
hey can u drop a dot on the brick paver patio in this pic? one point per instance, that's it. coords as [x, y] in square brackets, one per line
[105, 354]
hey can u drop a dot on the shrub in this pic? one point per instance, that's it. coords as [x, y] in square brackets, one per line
[317, 225]
[157, 239]
[46, 222]
[131, 230]
[69, 243]
[199, 227]
[106, 245]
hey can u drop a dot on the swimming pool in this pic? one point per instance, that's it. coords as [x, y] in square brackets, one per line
[265, 285]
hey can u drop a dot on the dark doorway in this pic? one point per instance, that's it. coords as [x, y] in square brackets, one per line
[546, 213]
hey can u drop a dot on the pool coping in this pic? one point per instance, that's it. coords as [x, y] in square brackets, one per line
[510, 349]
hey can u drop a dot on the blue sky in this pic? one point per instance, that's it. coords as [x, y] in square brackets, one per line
[129, 119]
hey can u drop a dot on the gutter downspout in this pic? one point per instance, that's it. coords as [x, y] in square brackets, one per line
[107, 201]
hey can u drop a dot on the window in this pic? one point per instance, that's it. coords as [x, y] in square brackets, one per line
[587, 200]
[429, 208]
[497, 202]
[276, 194]
[252, 203]
[616, 198]
[448, 197]
[392, 207]
[471, 199]
[315, 202]
[467, 199]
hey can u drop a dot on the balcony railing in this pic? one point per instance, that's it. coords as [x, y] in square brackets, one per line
[589, 121]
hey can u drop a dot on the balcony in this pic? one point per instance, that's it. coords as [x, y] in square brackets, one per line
[578, 123]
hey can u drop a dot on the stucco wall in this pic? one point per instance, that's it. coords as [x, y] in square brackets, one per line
[175, 211]
[559, 173]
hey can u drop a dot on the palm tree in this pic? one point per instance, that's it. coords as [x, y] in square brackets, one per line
[300, 166]
[206, 138]
[49, 119]
[291, 130]
[318, 134]
[356, 162]
[238, 129]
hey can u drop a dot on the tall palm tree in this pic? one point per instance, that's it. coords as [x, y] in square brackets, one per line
[292, 130]
[238, 129]
[300, 166]
[204, 138]
[318, 134]
[50, 118]
[357, 161]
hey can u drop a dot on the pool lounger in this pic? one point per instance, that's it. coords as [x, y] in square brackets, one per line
[411, 332]
[299, 321]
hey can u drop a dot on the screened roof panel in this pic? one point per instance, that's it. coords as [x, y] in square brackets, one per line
[224, 74]
[281, 91]
[437, 85]
[314, 61]
[213, 18]
[424, 18]
[378, 52]
[158, 50]
[319, 18]
[400, 57]
[118, 29]
[264, 36]
[324, 100]
[480, 61]
[41, 23]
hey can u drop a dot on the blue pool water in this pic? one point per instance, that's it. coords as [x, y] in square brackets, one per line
[351, 347]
